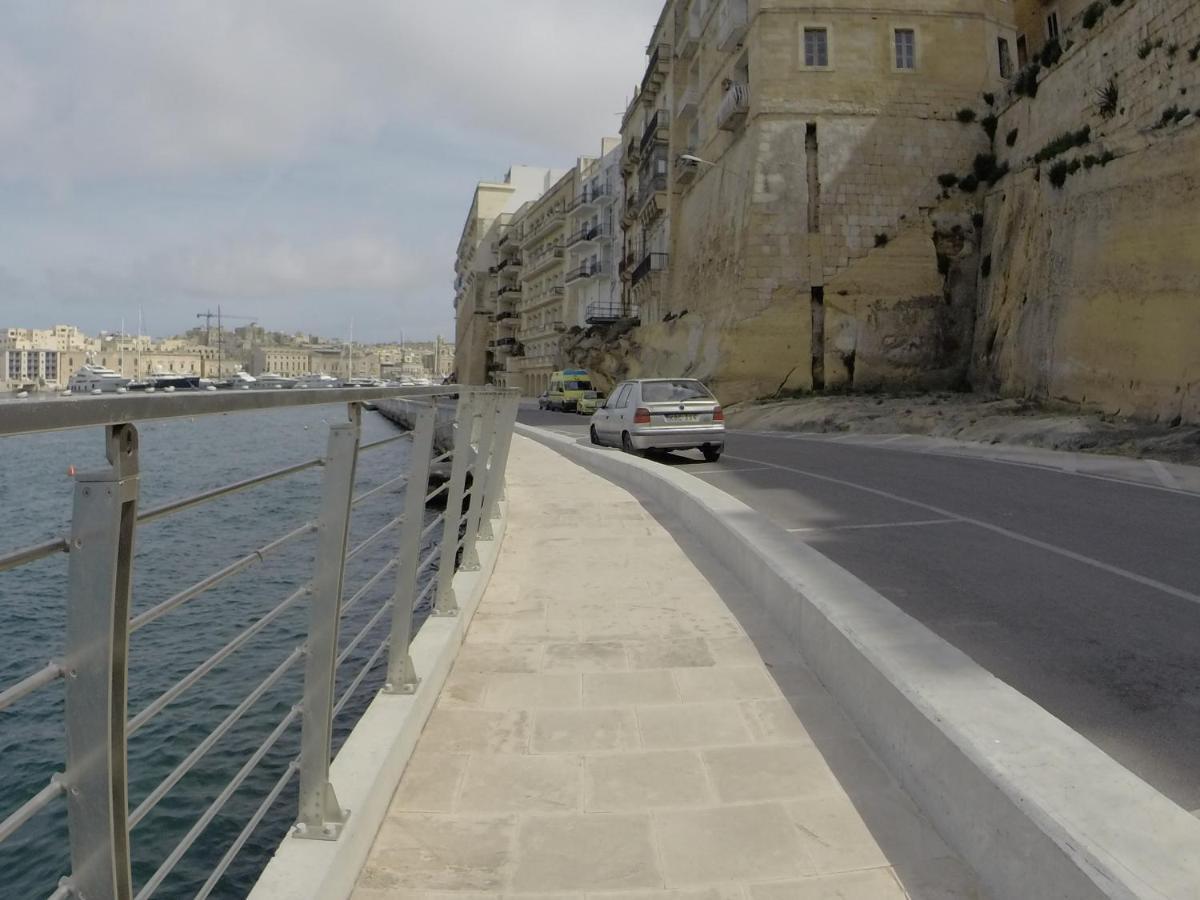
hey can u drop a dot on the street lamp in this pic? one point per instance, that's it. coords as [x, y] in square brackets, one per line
[816, 304]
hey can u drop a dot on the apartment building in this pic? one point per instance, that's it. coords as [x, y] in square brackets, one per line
[475, 282]
[593, 244]
[287, 361]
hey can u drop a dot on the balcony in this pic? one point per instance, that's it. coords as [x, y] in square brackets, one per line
[587, 270]
[509, 289]
[651, 264]
[734, 108]
[731, 23]
[686, 170]
[542, 226]
[688, 40]
[631, 158]
[608, 313]
[689, 104]
[587, 235]
[652, 196]
[657, 130]
[594, 195]
[543, 260]
[656, 70]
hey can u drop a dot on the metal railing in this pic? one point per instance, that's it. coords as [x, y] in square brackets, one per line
[100, 621]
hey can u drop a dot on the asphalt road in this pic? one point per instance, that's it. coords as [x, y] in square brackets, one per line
[1082, 593]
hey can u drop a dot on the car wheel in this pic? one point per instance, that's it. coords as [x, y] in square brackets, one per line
[594, 435]
[711, 454]
[627, 444]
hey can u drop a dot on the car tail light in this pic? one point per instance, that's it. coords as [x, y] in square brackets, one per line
[718, 415]
[641, 416]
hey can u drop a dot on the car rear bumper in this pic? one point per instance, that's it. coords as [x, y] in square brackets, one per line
[677, 438]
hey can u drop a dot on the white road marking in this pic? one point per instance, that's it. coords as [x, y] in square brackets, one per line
[875, 525]
[1025, 464]
[727, 471]
[1006, 532]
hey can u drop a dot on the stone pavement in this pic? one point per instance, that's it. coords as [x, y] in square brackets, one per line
[612, 731]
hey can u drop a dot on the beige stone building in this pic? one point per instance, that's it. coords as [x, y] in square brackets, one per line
[287, 361]
[476, 278]
[773, 148]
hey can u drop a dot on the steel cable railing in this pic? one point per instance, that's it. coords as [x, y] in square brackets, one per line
[479, 434]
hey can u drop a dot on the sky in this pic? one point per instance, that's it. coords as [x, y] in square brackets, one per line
[305, 163]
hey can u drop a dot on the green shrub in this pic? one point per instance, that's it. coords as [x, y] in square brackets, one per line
[1026, 82]
[1058, 173]
[1172, 49]
[1116, 2]
[947, 179]
[989, 98]
[1171, 115]
[1145, 48]
[989, 123]
[1011, 137]
[1051, 52]
[977, 219]
[1092, 14]
[1194, 53]
[1074, 166]
[1106, 157]
[1063, 143]
[986, 169]
[943, 264]
[968, 184]
[965, 115]
[1090, 160]
[1107, 98]
[985, 268]
[881, 240]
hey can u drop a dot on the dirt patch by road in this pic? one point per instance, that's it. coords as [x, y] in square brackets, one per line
[971, 417]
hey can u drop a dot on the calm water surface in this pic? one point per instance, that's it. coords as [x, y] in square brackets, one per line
[180, 457]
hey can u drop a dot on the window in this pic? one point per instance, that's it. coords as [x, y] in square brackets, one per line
[1005, 59]
[1052, 25]
[816, 47]
[671, 391]
[1022, 50]
[622, 397]
[906, 48]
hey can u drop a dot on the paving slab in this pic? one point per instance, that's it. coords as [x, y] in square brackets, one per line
[617, 728]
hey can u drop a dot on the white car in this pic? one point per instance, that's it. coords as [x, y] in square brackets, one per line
[661, 414]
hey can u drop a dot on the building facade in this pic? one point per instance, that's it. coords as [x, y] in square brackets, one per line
[475, 281]
[593, 245]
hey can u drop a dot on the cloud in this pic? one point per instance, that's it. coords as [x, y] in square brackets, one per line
[133, 89]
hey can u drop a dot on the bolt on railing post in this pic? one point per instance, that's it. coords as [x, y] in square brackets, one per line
[401, 676]
[100, 574]
[479, 528]
[506, 418]
[321, 817]
[446, 604]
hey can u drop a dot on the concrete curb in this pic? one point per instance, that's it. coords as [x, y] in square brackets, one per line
[368, 767]
[1035, 809]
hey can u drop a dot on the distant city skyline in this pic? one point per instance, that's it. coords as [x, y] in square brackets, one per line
[296, 161]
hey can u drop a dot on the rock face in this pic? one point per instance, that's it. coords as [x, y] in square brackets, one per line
[1094, 288]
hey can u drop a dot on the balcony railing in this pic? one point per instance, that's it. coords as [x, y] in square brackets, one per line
[587, 270]
[587, 234]
[543, 259]
[650, 264]
[689, 103]
[608, 313]
[735, 106]
[419, 551]
[656, 69]
[656, 130]
[652, 190]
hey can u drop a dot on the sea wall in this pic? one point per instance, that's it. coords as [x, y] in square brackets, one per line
[1093, 288]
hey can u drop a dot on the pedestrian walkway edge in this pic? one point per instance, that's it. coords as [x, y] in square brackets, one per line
[1032, 806]
[369, 765]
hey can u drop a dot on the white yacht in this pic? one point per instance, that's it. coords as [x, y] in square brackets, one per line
[243, 380]
[92, 379]
[320, 380]
[269, 380]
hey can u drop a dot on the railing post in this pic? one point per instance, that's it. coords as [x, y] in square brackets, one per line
[97, 654]
[321, 817]
[401, 676]
[479, 528]
[464, 418]
[506, 419]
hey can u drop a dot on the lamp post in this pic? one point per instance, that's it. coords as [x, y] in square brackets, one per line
[816, 301]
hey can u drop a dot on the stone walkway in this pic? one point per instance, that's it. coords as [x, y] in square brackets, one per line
[611, 731]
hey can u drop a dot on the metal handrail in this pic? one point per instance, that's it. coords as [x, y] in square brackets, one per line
[96, 660]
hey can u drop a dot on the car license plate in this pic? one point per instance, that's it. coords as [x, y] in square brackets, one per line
[685, 417]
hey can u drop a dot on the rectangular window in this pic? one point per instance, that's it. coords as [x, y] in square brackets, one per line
[906, 48]
[816, 47]
[1005, 59]
[1052, 26]
[1022, 51]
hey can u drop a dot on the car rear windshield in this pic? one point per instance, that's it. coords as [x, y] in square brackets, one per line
[668, 391]
[577, 386]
